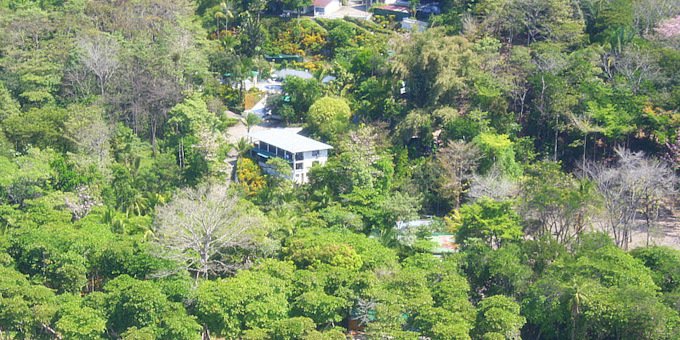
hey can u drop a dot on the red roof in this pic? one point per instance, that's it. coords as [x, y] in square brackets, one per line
[395, 8]
[322, 3]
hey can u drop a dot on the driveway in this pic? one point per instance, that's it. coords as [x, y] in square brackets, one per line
[260, 108]
[352, 11]
[238, 131]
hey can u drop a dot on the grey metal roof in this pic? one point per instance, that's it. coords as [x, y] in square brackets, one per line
[282, 74]
[289, 140]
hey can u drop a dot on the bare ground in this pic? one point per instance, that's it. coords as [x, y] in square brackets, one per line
[240, 130]
[666, 232]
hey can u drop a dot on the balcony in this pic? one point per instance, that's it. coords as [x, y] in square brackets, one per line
[263, 155]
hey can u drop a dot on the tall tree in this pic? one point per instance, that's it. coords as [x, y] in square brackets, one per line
[202, 227]
[556, 204]
[100, 56]
[328, 117]
[498, 317]
[252, 120]
[635, 183]
[459, 161]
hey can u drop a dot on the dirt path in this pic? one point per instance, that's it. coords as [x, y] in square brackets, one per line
[238, 131]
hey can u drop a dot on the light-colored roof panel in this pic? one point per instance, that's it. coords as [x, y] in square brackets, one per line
[322, 3]
[288, 72]
[289, 140]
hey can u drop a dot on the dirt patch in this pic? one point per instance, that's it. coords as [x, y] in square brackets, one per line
[666, 232]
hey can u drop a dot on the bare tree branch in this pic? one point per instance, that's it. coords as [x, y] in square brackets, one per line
[635, 185]
[203, 227]
[100, 57]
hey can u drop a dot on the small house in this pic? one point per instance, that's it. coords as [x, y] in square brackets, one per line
[410, 24]
[299, 151]
[325, 7]
[398, 12]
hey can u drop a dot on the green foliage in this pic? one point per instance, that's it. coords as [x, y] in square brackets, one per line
[495, 223]
[432, 65]
[499, 314]
[8, 106]
[323, 309]
[299, 95]
[250, 300]
[293, 328]
[600, 290]
[24, 307]
[557, 203]
[302, 36]
[498, 150]
[502, 271]
[41, 127]
[195, 137]
[134, 305]
[373, 99]
[111, 110]
[76, 321]
[328, 117]
[338, 248]
[664, 263]
[617, 123]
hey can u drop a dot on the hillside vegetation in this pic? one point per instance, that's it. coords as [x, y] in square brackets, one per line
[542, 136]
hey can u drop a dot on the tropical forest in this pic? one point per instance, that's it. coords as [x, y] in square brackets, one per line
[339, 169]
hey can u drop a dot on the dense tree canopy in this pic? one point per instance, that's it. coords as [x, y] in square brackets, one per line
[509, 172]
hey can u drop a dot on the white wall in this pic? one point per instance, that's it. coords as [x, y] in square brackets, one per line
[300, 175]
[331, 8]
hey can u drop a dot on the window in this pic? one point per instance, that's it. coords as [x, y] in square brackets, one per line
[299, 156]
[298, 166]
[264, 146]
[315, 153]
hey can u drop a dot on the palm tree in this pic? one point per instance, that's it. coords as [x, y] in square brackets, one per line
[586, 125]
[252, 120]
[576, 299]
[242, 147]
[224, 13]
[137, 205]
[413, 5]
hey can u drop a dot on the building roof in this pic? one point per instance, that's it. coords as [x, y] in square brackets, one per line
[403, 225]
[287, 72]
[289, 140]
[322, 3]
[444, 243]
[395, 8]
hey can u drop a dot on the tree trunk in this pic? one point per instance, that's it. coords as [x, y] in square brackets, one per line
[648, 227]
[101, 85]
[153, 135]
[205, 335]
[180, 153]
[557, 131]
[52, 332]
[585, 141]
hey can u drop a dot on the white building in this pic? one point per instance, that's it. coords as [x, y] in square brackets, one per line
[325, 7]
[300, 152]
[409, 24]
